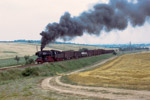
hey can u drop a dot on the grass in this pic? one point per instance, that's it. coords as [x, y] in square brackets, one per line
[70, 65]
[23, 89]
[122, 93]
[50, 69]
[11, 62]
[24, 84]
[9, 52]
[131, 71]
[29, 89]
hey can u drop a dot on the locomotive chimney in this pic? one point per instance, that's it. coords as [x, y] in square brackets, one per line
[41, 48]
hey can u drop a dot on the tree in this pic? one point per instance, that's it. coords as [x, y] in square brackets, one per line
[30, 61]
[26, 58]
[83, 49]
[17, 59]
[114, 53]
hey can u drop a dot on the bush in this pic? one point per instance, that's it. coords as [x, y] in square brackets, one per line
[30, 61]
[114, 53]
[10, 74]
[26, 58]
[17, 59]
[31, 72]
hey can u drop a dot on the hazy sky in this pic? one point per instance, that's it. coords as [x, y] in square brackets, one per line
[25, 19]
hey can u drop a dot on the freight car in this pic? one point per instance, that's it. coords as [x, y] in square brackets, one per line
[54, 55]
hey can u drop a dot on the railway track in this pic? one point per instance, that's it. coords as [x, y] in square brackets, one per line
[19, 66]
[25, 66]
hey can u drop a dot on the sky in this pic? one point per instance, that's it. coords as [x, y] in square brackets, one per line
[25, 19]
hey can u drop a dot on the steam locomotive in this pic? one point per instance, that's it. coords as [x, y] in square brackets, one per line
[54, 55]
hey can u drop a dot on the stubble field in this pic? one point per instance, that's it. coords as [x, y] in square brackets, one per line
[10, 50]
[130, 71]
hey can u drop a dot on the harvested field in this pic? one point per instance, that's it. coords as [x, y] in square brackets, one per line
[130, 71]
[72, 47]
[59, 84]
[10, 50]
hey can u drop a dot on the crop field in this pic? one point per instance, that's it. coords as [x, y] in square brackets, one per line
[131, 71]
[10, 50]
[72, 47]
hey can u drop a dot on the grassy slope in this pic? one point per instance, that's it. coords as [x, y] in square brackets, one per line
[52, 68]
[26, 88]
[128, 71]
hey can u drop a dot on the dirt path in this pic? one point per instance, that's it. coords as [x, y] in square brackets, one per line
[54, 84]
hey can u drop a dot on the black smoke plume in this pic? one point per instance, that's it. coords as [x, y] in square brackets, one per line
[114, 15]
